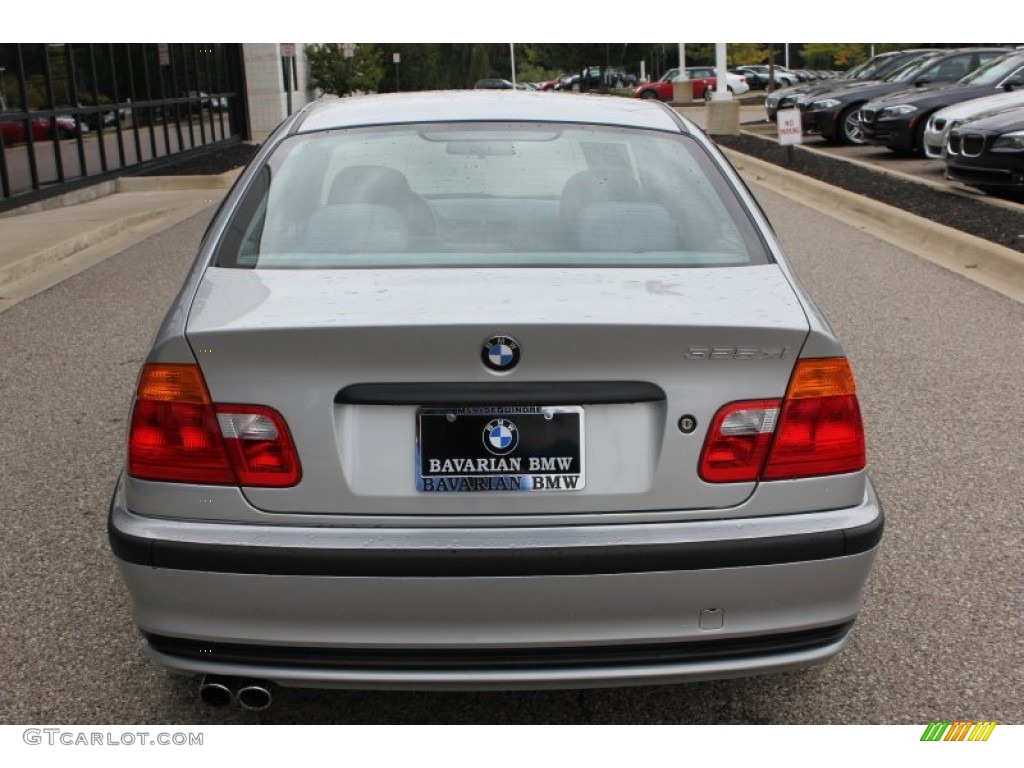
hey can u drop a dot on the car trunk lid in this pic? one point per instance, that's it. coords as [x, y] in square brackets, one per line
[362, 365]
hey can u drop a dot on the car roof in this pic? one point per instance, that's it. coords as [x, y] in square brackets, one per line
[461, 106]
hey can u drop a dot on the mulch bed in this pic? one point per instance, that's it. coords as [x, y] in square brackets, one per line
[209, 162]
[991, 222]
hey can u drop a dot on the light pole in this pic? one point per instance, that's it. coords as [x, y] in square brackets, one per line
[348, 50]
[721, 92]
[397, 58]
[723, 111]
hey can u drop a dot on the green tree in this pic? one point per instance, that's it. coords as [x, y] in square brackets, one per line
[700, 54]
[833, 55]
[453, 65]
[331, 72]
[740, 54]
[419, 68]
[479, 63]
[529, 72]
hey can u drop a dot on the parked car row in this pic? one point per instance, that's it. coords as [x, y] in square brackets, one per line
[760, 75]
[898, 120]
[703, 79]
[939, 125]
[876, 68]
[836, 114]
[965, 105]
[591, 78]
[561, 83]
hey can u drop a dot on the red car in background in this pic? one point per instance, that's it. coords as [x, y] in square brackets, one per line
[703, 79]
[14, 130]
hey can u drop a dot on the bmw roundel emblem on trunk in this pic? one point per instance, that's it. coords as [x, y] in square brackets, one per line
[500, 353]
[500, 436]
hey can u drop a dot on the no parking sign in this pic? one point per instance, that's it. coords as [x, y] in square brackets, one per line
[790, 127]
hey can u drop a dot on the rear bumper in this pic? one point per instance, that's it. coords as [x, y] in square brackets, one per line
[497, 609]
[503, 669]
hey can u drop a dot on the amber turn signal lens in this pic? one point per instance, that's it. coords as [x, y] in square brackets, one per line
[821, 377]
[173, 383]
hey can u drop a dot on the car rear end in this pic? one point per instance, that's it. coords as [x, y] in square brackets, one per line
[738, 83]
[572, 423]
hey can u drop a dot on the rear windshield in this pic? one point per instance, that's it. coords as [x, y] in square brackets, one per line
[476, 194]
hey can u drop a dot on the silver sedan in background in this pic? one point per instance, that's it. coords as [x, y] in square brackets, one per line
[492, 390]
[942, 122]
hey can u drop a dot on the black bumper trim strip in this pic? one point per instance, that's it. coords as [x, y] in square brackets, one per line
[469, 563]
[501, 393]
[505, 659]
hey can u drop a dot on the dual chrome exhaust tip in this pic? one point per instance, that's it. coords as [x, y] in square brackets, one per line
[220, 691]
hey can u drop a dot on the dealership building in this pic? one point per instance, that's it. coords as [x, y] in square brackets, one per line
[75, 114]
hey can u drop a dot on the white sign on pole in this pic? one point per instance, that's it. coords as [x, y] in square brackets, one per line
[790, 127]
[396, 58]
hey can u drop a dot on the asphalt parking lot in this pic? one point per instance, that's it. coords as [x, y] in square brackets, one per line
[880, 157]
[938, 361]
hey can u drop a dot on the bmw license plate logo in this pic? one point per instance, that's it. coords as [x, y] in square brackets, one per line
[500, 353]
[500, 436]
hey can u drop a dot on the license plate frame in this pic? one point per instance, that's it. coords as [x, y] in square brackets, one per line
[500, 448]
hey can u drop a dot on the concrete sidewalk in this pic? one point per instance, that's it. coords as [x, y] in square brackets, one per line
[41, 248]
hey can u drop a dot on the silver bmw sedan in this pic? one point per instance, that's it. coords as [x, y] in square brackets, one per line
[491, 390]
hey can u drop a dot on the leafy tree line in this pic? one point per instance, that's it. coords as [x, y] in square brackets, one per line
[437, 66]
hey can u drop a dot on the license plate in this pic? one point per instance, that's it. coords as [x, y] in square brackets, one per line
[499, 448]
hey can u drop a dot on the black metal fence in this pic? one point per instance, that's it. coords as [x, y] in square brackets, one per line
[73, 113]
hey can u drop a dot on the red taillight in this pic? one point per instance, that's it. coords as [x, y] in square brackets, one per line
[178, 443]
[738, 441]
[817, 432]
[822, 436]
[177, 435]
[260, 447]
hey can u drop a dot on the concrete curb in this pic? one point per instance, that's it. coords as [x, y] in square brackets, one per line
[986, 263]
[77, 197]
[45, 268]
[19, 270]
